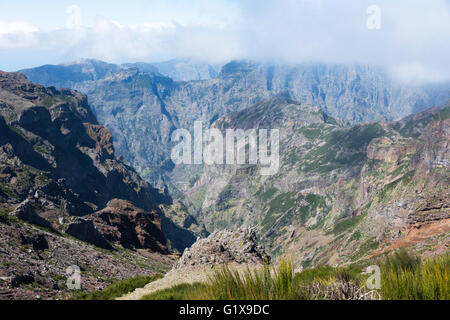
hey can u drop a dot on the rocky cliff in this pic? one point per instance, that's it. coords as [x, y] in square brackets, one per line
[61, 191]
[342, 192]
[141, 108]
[224, 247]
[345, 186]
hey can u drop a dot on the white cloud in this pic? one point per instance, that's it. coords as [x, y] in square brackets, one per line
[14, 27]
[416, 73]
[414, 39]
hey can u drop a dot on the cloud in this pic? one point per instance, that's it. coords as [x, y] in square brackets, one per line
[414, 38]
[416, 73]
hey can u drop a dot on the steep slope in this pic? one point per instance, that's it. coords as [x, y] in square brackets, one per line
[51, 142]
[141, 109]
[341, 192]
[65, 198]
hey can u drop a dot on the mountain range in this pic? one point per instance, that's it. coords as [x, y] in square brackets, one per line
[364, 165]
[141, 107]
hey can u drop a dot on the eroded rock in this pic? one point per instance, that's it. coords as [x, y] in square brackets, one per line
[222, 247]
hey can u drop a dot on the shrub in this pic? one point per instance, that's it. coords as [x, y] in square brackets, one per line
[405, 277]
[117, 289]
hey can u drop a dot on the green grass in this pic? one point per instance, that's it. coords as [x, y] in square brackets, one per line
[117, 289]
[311, 132]
[183, 291]
[444, 114]
[405, 277]
[385, 193]
[265, 283]
[269, 193]
[6, 217]
[347, 224]
[280, 204]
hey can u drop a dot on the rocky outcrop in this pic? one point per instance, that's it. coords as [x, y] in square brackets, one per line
[84, 230]
[51, 144]
[29, 255]
[123, 223]
[57, 167]
[341, 191]
[223, 247]
[26, 212]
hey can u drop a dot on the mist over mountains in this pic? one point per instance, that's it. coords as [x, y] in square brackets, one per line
[142, 105]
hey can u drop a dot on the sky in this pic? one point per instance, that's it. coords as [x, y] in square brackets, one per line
[410, 37]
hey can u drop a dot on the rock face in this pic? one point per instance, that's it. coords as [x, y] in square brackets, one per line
[146, 107]
[52, 144]
[341, 191]
[121, 222]
[31, 255]
[84, 229]
[222, 247]
[25, 211]
[58, 167]
[55, 154]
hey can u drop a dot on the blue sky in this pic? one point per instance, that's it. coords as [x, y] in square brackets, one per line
[413, 39]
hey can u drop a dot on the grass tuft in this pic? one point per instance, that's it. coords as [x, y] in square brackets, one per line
[117, 289]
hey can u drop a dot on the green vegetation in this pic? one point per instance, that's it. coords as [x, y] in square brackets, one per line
[312, 131]
[46, 100]
[117, 289]
[347, 224]
[269, 193]
[341, 147]
[444, 114]
[406, 277]
[278, 205]
[386, 191]
[265, 283]
[403, 276]
[180, 292]
[198, 196]
[410, 128]
[6, 217]
[4, 188]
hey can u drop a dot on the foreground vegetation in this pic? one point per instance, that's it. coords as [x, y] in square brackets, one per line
[117, 289]
[403, 276]
[267, 283]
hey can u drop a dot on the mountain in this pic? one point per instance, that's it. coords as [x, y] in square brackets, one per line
[342, 192]
[187, 70]
[65, 199]
[179, 69]
[51, 135]
[331, 119]
[67, 74]
[363, 164]
[142, 109]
